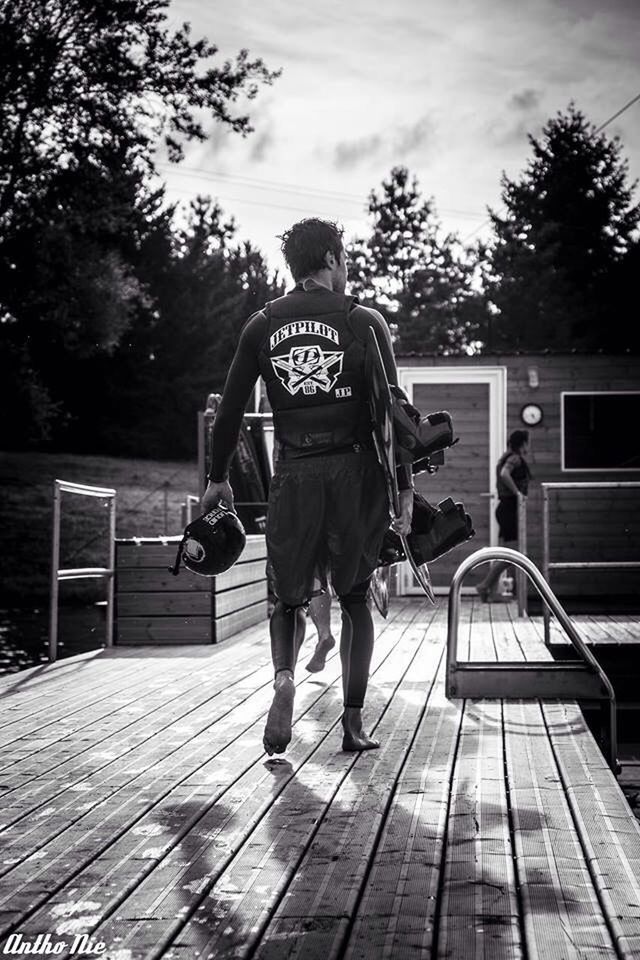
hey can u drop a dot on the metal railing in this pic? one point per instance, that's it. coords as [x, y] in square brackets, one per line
[80, 573]
[547, 566]
[529, 679]
[187, 508]
[520, 577]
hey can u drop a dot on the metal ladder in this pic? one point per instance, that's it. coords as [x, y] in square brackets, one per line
[532, 679]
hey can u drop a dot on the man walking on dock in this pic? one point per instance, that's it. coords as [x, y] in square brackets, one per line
[328, 504]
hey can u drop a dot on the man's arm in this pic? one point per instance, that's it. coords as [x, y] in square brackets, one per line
[372, 318]
[241, 380]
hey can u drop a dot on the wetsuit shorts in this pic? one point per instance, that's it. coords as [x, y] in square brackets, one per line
[507, 517]
[327, 514]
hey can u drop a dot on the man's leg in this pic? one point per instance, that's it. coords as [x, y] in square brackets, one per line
[356, 648]
[286, 627]
[320, 613]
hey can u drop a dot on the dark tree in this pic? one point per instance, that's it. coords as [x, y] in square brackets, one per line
[82, 79]
[424, 280]
[561, 266]
[204, 285]
[88, 90]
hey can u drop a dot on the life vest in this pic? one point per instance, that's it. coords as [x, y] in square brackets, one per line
[312, 364]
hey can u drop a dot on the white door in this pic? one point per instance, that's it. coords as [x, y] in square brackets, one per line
[476, 398]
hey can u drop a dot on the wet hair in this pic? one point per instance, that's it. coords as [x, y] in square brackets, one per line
[306, 244]
[518, 439]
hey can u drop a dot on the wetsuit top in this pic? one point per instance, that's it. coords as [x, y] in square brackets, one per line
[313, 362]
[519, 470]
[320, 355]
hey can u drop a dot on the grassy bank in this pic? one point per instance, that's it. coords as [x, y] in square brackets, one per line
[26, 509]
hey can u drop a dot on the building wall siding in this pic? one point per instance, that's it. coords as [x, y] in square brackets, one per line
[585, 525]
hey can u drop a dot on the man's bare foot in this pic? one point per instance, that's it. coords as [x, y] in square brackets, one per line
[277, 733]
[319, 658]
[354, 737]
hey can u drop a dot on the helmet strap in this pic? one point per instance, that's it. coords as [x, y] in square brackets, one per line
[175, 569]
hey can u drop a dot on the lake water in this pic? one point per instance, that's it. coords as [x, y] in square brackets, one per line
[24, 634]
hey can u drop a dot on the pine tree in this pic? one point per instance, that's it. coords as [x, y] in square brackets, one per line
[203, 285]
[423, 280]
[561, 262]
[87, 92]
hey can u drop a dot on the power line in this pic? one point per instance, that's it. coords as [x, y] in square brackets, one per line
[622, 110]
[260, 184]
[278, 186]
[274, 206]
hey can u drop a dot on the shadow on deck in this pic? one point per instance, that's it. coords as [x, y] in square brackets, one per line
[140, 810]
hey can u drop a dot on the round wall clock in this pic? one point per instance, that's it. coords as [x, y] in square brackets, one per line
[531, 414]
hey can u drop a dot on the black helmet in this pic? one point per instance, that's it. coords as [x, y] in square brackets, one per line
[434, 531]
[211, 543]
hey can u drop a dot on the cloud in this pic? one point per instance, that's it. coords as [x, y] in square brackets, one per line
[411, 137]
[349, 153]
[261, 143]
[525, 114]
[526, 100]
[396, 145]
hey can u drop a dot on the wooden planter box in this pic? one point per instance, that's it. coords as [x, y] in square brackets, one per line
[154, 607]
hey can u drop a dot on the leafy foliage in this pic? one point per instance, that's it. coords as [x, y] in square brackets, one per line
[562, 263]
[203, 293]
[425, 281]
[92, 268]
[83, 79]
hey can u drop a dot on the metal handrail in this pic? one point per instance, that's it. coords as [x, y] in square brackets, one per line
[576, 565]
[80, 573]
[521, 580]
[187, 508]
[486, 554]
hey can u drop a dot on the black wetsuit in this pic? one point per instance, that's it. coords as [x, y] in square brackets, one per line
[328, 505]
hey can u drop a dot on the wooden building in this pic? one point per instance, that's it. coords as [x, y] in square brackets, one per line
[583, 416]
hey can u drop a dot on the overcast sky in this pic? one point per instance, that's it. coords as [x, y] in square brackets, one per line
[449, 88]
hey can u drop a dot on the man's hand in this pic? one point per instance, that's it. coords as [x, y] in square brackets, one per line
[216, 493]
[402, 524]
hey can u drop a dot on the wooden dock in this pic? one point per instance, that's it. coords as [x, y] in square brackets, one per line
[139, 809]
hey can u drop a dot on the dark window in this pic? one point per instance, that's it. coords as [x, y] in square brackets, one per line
[601, 431]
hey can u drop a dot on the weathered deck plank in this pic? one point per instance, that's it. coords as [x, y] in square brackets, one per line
[601, 630]
[139, 806]
[313, 917]
[266, 838]
[246, 707]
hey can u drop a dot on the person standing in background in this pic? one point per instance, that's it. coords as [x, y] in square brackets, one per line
[512, 478]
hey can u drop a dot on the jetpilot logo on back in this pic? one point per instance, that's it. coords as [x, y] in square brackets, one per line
[308, 368]
[301, 327]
